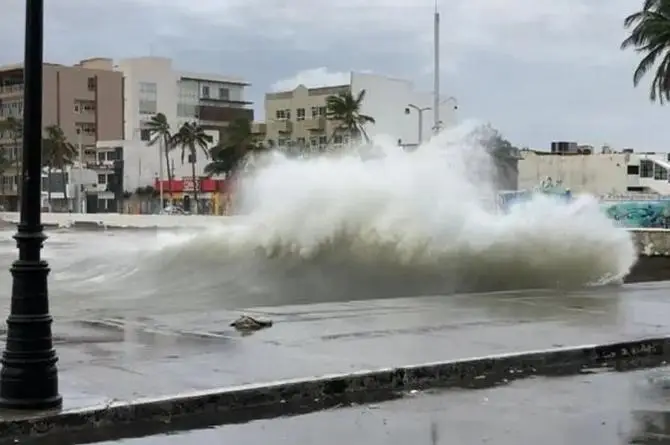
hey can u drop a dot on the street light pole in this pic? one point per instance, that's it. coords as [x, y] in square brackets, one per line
[29, 376]
[420, 111]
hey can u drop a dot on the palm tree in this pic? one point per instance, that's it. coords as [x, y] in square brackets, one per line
[57, 153]
[650, 35]
[346, 109]
[192, 136]
[234, 149]
[159, 128]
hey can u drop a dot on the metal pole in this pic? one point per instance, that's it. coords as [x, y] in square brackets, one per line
[436, 74]
[80, 185]
[420, 111]
[29, 376]
[421, 126]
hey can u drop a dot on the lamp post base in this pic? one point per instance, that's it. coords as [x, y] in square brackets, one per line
[29, 375]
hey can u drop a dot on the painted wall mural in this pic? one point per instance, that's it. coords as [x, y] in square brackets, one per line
[639, 214]
[630, 211]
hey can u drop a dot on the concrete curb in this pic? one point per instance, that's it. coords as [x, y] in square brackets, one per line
[256, 401]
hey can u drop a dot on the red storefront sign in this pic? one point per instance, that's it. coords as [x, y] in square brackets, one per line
[185, 185]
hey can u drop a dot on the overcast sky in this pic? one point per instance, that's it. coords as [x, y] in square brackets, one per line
[539, 70]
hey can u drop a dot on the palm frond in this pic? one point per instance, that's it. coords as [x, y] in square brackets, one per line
[650, 35]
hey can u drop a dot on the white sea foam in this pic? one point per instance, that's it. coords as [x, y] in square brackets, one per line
[419, 222]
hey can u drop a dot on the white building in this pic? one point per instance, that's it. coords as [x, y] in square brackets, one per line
[298, 117]
[69, 189]
[598, 174]
[387, 100]
[151, 86]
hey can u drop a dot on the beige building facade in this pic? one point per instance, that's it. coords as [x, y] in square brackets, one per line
[85, 100]
[297, 119]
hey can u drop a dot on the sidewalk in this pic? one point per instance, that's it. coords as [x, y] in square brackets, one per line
[113, 359]
[600, 409]
[107, 360]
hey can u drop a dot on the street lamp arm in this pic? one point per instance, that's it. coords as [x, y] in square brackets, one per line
[450, 99]
[417, 108]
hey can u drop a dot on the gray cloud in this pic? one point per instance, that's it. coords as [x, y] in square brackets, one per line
[538, 69]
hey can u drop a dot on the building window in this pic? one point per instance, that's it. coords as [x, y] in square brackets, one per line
[77, 108]
[323, 140]
[337, 139]
[633, 169]
[281, 142]
[147, 98]
[322, 111]
[300, 142]
[205, 92]
[87, 129]
[148, 88]
[148, 107]
[102, 179]
[314, 142]
[315, 112]
[224, 94]
[660, 173]
[101, 156]
[282, 115]
[91, 83]
[646, 168]
[300, 114]
[145, 134]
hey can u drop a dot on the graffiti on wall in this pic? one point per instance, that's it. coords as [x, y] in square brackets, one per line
[639, 214]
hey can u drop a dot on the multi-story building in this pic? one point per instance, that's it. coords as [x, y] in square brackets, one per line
[298, 117]
[151, 86]
[84, 100]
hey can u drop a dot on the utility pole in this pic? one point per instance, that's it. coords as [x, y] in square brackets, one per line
[437, 124]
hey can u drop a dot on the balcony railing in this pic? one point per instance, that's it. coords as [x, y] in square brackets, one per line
[11, 89]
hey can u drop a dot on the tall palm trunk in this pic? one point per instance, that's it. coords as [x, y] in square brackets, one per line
[64, 180]
[166, 152]
[2, 191]
[49, 186]
[195, 184]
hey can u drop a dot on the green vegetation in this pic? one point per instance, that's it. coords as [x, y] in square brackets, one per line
[650, 37]
[233, 152]
[345, 108]
[57, 152]
[190, 138]
[160, 132]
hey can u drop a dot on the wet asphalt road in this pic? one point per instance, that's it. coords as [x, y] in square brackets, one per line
[597, 409]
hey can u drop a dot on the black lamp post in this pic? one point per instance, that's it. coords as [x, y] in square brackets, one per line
[29, 376]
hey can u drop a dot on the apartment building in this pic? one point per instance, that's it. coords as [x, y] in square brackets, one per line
[153, 85]
[297, 118]
[85, 100]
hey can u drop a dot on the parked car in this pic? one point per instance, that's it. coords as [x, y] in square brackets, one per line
[174, 210]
